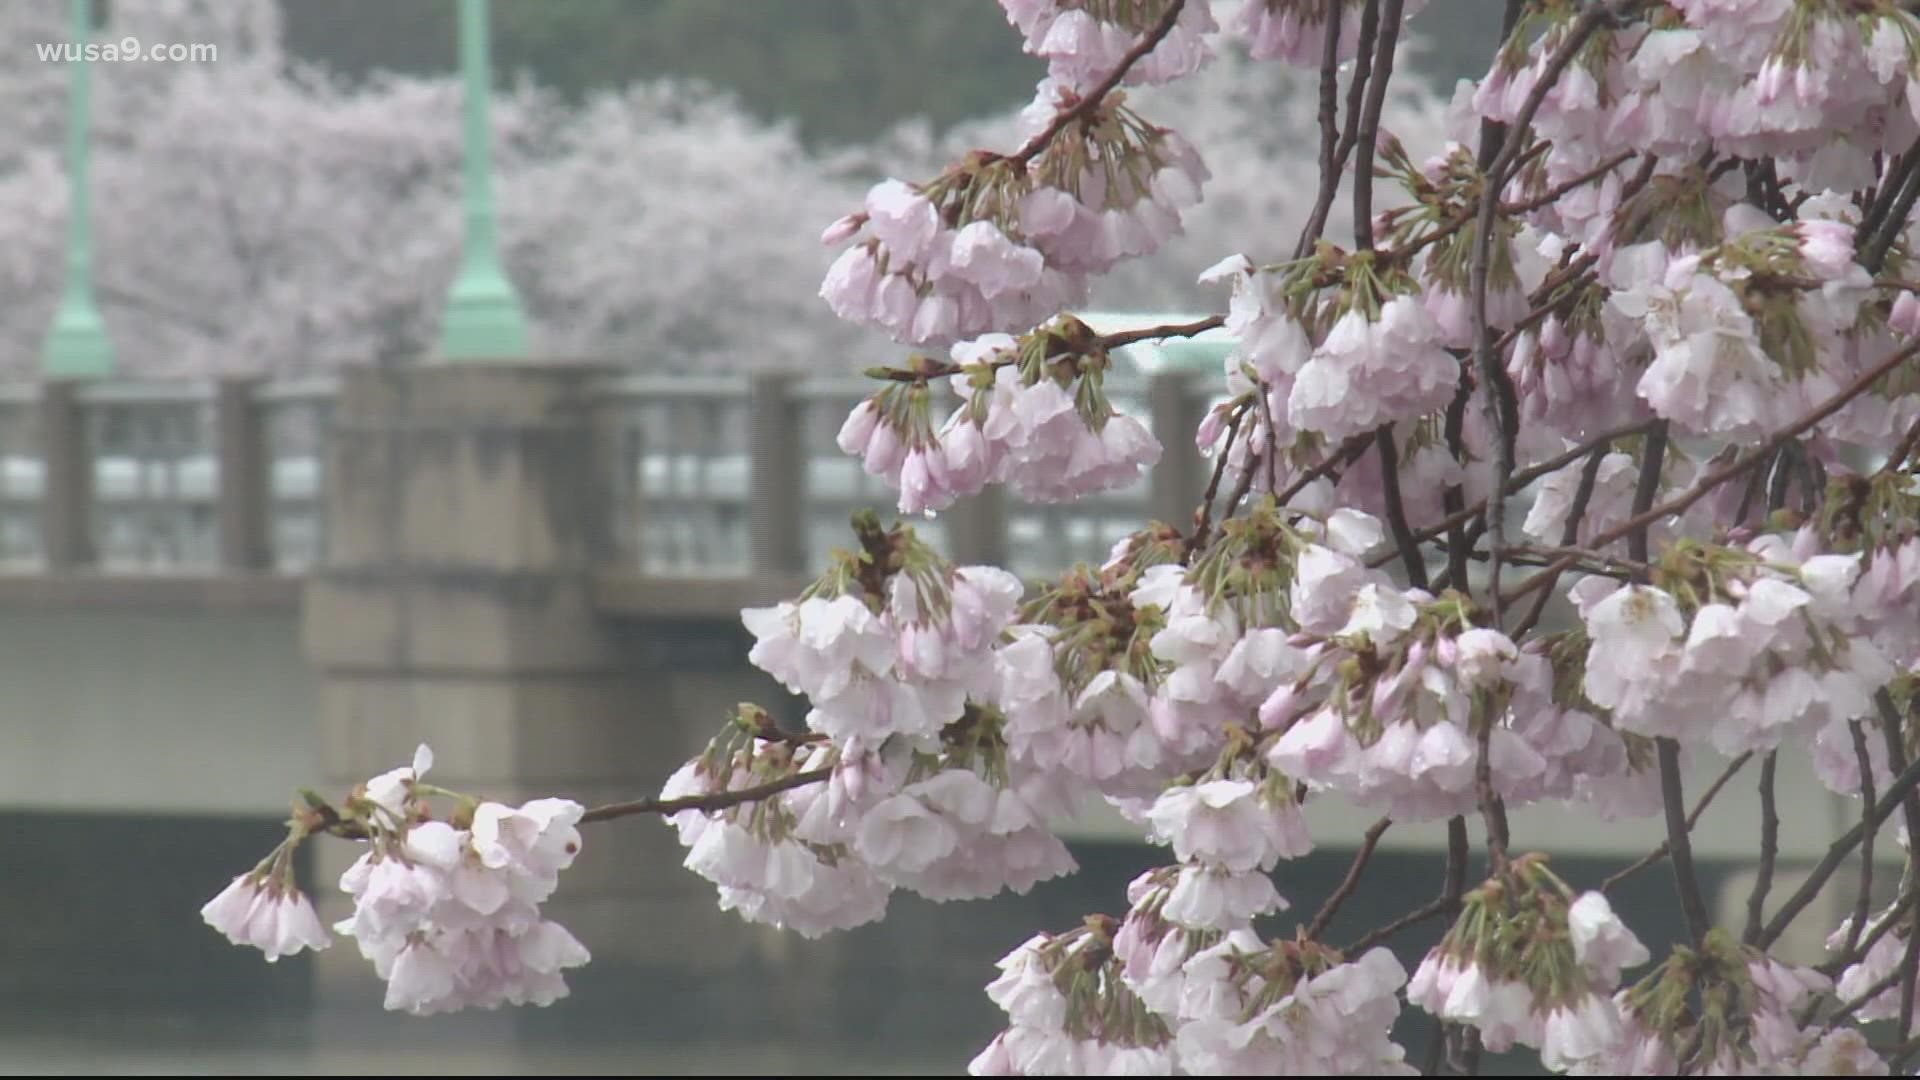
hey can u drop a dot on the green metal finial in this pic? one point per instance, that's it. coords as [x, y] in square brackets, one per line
[78, 345]
[483, 319]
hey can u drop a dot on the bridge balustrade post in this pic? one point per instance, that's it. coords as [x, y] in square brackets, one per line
[244, 470]
[67, 495]
[776, 477]
[1179, 480]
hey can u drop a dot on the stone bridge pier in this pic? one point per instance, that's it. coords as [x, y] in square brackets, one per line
[466, 515]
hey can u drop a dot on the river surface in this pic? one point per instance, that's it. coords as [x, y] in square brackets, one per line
[181, 1044]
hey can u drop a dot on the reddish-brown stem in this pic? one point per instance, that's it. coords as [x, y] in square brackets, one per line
[1736, 467]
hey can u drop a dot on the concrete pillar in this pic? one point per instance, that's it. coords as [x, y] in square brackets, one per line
[1180, 478]
[465, 513]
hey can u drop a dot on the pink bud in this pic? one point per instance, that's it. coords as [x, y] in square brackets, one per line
[843, 229]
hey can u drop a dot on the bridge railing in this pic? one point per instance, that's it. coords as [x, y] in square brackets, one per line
[711, 477]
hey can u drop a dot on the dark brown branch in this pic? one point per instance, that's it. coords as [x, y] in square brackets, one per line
[1874, 251]
[1499, 398]
[1861, 903]
[1527, 476]
[1569, 531]
[1884, 197]
[1693, 819]
[1902, 786]
[1092, 98]
[1383, 57]
[1652, 458]
[1409, 548]
[1769, 849]
[1324, 917]
[1741, 464]
[1356, 90]
[1329, 129]
[1203, 514]
[1679, 844]
[719, 800]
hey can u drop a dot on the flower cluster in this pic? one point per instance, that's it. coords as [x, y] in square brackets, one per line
[1743, 647]
[1290, 1009]
[1033, 415]
[1085, 40]
[998, 244]
[907, 777]
[1530, 962]
[1070, 1013]
[450, 916]
[1729, 1010]
[448, 911]
[1296, 30]
[1736, 330]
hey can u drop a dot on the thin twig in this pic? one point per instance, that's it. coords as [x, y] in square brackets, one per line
[1896, 797]
[1739, 465]
[1408, 547]
[719, 800]
[1092, 98]
[1882, 926]
[1861, 903]
[1546, 198]
[1527, 476]
[1447, 903]
[1328, 910]
[1153, 333]
[1432, 908]
[1569, 532]
[1348, 453]
[1203, 514]
[1499, 398]
[1693, 819]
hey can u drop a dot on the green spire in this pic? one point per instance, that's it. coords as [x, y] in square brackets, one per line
[483, 318]
[78, 345]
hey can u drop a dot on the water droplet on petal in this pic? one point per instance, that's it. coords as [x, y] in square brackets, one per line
[1206, 451]
[928, 514]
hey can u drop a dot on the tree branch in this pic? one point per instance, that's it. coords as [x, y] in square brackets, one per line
[1383, 56]
[1861, 903]
[1693, 819]
[1903, 785]
[1356, 88]
[1396, 510]
[1092, 98]
[1739, 465]
[719, 800]
[1769, 850]
[1328, 910]
[1679, 844]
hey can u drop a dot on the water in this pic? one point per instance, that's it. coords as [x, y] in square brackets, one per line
[339, 1043]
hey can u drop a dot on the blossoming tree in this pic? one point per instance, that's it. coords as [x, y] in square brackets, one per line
[1657, 283]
